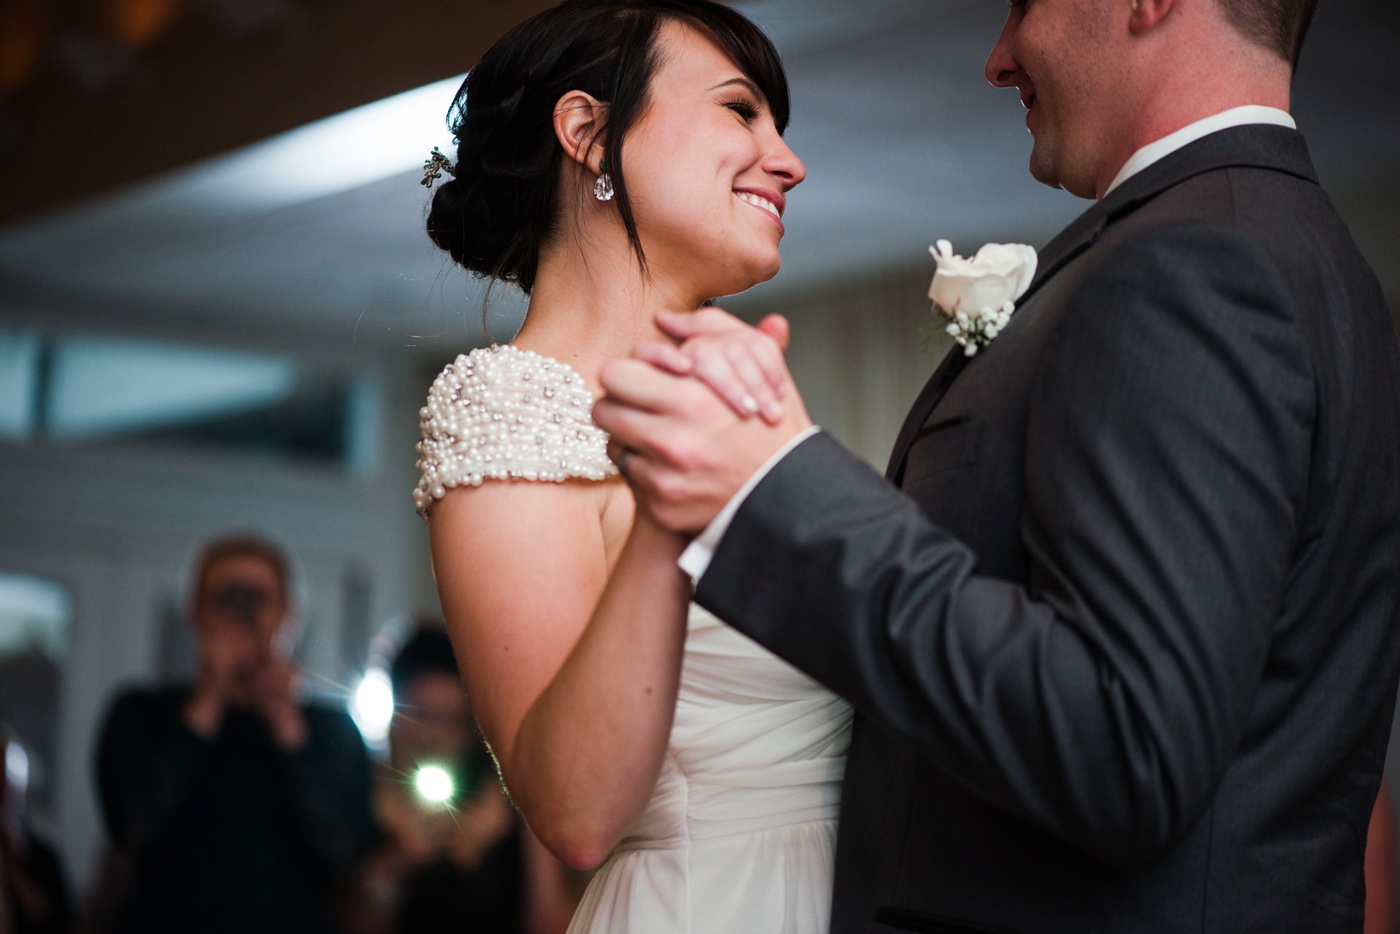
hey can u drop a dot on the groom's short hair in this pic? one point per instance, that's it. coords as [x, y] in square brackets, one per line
[1277, 25]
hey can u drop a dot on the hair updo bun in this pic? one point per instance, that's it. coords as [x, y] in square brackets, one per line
[500, 209]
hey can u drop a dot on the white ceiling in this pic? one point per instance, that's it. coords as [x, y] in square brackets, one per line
[903, 140]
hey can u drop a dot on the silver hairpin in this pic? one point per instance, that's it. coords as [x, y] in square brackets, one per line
[435, 165]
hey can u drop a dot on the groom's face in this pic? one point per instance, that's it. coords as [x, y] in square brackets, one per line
[1060, 56]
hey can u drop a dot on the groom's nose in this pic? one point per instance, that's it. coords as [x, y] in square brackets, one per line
[1002, 68]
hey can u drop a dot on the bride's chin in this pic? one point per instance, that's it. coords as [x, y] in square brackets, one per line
[731, 275]
[754, 275]
[767, 273]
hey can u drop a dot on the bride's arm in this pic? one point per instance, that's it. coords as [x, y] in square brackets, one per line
[572, 671]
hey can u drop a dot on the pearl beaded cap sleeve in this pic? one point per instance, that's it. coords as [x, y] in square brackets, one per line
[502, 413]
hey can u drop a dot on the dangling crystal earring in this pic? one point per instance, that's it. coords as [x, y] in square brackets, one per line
[602, 188]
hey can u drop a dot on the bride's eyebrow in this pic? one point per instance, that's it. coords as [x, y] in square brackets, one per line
[743, 83]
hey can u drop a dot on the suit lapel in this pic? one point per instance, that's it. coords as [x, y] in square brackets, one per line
[933, 390]
[1257, 146]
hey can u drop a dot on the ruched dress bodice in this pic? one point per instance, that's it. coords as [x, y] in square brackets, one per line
[740, 831]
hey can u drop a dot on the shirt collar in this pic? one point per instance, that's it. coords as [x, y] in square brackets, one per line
[1236, 116]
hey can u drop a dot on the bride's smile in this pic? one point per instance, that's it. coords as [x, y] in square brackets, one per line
[769, 201]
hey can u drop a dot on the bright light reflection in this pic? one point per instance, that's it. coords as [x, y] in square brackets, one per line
[434, 784]
[372, 706]
[17, 767]
[354, 148]
[368, 144]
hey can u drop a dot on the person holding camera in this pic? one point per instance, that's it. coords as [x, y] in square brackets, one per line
[455, 856]
[240, 807]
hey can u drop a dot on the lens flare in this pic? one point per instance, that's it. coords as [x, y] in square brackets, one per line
[372, 707]
[434, 784]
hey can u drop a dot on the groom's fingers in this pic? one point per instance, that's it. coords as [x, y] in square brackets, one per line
[642, 405]
[629, 428]
[654, 413]
[645, 448]
[639, 385]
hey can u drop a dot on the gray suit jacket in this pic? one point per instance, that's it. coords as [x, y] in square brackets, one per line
[1123, 641]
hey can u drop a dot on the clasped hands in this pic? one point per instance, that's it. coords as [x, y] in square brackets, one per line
[691, 421]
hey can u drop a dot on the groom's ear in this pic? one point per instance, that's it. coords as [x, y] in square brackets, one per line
[1147, 14]
[578, 123]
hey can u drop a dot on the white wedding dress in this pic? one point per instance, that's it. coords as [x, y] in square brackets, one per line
[739, 834]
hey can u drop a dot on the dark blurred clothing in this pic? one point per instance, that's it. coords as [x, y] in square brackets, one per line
[41, 867]
[443, 898]
[232, 834]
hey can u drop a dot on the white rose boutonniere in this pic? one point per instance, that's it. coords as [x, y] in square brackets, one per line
[978, 295]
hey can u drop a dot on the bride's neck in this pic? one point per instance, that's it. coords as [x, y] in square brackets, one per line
[588, 309]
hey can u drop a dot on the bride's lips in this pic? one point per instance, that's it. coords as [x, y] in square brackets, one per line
[773, 203]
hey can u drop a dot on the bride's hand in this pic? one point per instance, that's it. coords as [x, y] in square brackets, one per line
[741, 363]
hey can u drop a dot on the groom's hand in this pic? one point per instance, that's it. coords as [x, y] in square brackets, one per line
[684, 450]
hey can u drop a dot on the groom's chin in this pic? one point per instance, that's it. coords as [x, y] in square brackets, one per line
[1054, 178]
[1058, 165]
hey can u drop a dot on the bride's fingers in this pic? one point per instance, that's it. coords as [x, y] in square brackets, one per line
[747, 351]
[745, 368]
[778, 328]
[767, 355]
[749, 363]
[685, 325]
[664, 356]
[647, 382]
[714, 368]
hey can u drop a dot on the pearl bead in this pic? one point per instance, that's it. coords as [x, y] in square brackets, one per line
[478, 407]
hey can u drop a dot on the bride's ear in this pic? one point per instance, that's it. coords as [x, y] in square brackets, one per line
[578, 123]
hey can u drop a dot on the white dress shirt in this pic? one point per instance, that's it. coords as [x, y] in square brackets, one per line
[695, 560]
[1235, 116]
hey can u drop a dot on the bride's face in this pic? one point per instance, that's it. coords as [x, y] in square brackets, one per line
[707, 172]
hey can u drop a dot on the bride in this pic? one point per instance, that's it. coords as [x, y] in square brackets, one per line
[618, 158]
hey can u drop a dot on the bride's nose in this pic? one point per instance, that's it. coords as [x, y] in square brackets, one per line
[782, 163]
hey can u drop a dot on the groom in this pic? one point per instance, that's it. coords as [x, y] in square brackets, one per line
[1121, 622]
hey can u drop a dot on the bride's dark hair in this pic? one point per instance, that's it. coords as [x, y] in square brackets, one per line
[498, 211]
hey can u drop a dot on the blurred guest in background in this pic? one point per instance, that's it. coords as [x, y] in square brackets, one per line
[33, 890]
[455, 857]
[241, 808]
